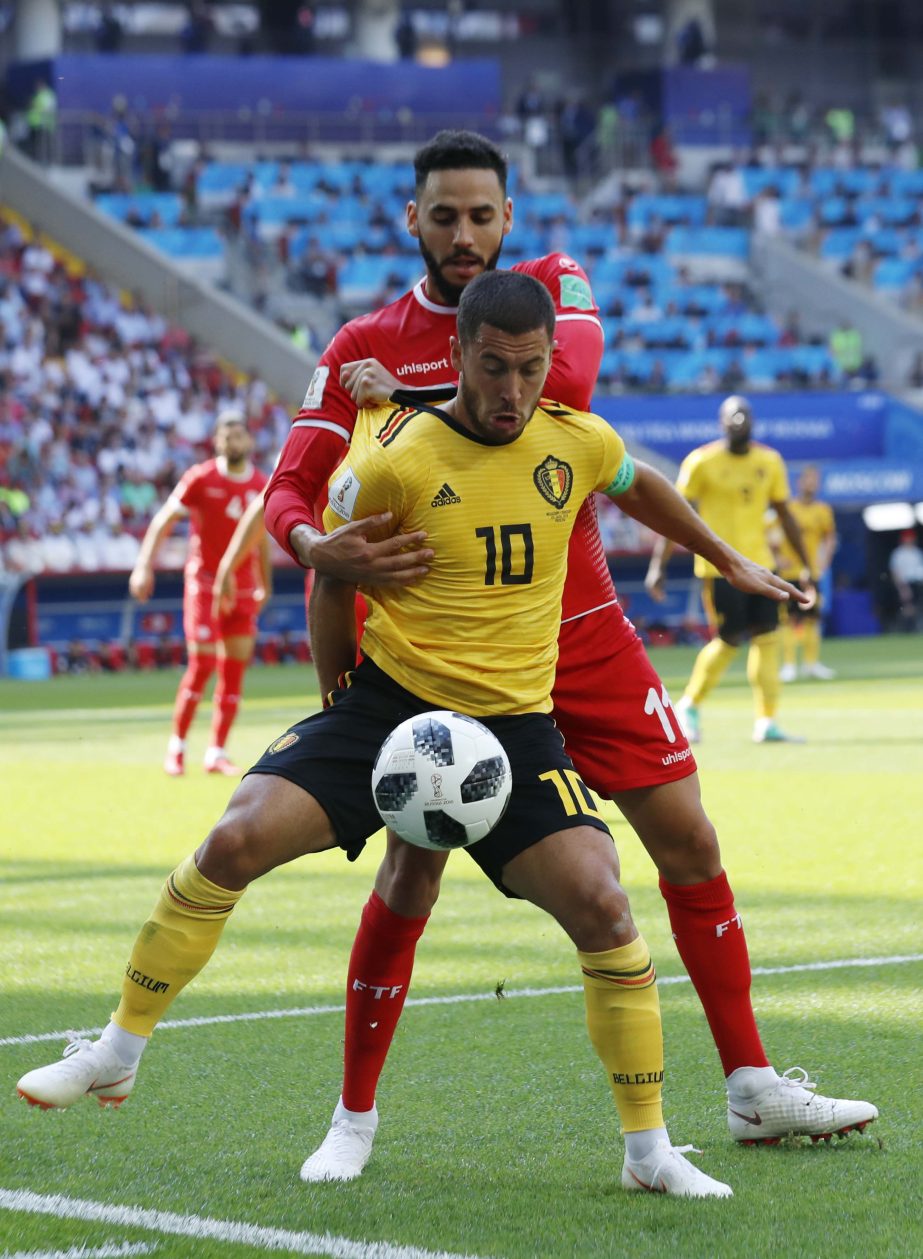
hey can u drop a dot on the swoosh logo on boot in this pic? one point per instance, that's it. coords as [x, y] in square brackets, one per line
[754, 1118]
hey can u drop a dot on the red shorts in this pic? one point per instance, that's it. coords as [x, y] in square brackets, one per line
[200, 627]
[618, 724]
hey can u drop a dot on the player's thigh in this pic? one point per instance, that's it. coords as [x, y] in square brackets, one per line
[237, 647]
[199, 626]
[615, 714]
[574, 876]
[672, 825]
[268, 821]
[548, 794]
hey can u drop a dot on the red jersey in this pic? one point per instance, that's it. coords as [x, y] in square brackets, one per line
[410, 338]
[215, 501]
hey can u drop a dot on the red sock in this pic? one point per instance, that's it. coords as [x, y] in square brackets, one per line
[380, 967]
[192, 684]
[227, 697]
[710, 938]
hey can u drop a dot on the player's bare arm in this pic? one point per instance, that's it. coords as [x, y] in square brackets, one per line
[244, 538]
[792, 531]
[654, 502]
[350, 554]
[141, 581]
[367, 382]
[332, 627]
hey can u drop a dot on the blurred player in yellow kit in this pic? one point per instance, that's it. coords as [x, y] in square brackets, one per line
[802, 626]
[734, 482]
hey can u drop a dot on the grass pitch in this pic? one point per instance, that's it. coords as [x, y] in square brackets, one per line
[498, 1135]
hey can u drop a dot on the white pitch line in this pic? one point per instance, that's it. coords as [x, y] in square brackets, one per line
[204, 1228]
[298, 1012]
[112, 1250]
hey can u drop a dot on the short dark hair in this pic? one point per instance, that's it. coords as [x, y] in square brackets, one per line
[458, 150]
[508, 300]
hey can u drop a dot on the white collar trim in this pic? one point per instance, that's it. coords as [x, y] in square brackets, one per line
[419, 293]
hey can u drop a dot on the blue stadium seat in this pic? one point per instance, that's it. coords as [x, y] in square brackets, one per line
[894, 273]
[725, 242]
[840, 242]
[119, 205]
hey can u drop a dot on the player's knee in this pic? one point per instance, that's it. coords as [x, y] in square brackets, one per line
[602, 918]
[232, 855]
[695, 856]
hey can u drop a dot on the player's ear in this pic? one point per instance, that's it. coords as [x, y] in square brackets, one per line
[412, 222]
[455, 353]
[507, 216]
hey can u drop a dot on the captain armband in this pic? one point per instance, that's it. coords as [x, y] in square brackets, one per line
[624, 478]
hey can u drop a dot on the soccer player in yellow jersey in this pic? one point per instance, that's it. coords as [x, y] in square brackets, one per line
[495, 481]
[802, 626]
[734, 482]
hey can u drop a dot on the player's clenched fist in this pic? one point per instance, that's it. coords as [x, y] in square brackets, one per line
[367, 382]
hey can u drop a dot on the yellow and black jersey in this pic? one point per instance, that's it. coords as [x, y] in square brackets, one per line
[733, 493]
[817, 525]
[479, 632]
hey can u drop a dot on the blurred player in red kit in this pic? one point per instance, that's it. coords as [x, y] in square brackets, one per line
[214, 496]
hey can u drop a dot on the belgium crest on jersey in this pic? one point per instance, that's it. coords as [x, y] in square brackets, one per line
[554, 480]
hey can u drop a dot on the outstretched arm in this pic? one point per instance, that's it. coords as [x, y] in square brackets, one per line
[654, 502]
[141, 581]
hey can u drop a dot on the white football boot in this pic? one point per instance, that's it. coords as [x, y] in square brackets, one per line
[765, 730]
[87, 1068]
[345, 1149]
[666, 1170]
[789, 1107]
[788, 673]
[817, 670]
[687, 714]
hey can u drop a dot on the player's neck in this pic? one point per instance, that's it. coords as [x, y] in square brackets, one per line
[239, 470]
[434, 296]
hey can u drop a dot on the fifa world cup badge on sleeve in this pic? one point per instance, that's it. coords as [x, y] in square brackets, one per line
[343, 492]
[315, 395]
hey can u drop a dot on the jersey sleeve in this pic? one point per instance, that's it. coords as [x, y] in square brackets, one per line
[305, 464]
[189, 489]
[363, 485]
[326, 404]
[688, 482]
[578, 334]
[617, 468]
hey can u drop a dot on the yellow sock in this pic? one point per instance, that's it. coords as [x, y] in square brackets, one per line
[763, 673]
[709, 666]
[623, 1019]
[789, 642]
[811, 640]
[172, 946]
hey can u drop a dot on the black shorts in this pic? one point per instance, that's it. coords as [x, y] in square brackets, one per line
[736, 614]
[330, 755]
[794, 612]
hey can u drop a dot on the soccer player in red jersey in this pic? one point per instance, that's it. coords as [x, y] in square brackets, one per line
[213, 495]
[612, 708]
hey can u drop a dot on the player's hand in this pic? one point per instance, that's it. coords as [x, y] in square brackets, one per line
[141, 583]
[367, 382]
[348, 555]
[654, 582]
[261, 596]
[224, 593]
[754, 579]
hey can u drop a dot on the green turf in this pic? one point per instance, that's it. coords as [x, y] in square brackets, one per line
[498, 1135]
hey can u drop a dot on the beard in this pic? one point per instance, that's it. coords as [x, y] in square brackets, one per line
[450, 293]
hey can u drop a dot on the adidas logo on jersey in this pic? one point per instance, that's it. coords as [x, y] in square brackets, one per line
[445, 497]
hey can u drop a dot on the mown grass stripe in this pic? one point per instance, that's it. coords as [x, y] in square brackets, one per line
[298, 1012]
[204, 1228]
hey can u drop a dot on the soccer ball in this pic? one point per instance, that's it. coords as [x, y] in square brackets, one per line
[441, 780]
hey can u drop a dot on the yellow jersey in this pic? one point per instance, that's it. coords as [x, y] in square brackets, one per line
[733, 494]
[479, 633]
[816, 523]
